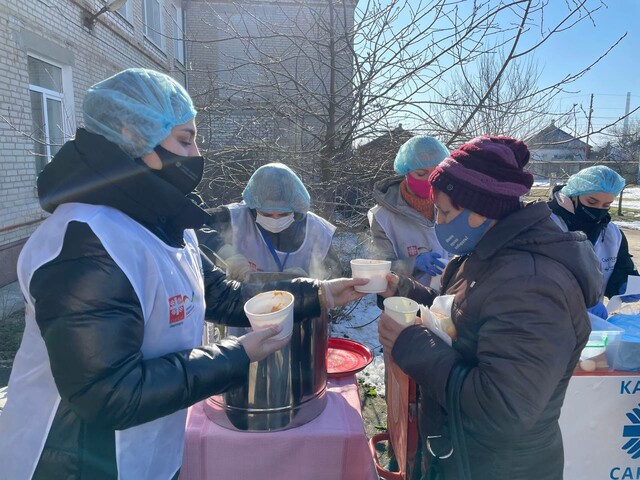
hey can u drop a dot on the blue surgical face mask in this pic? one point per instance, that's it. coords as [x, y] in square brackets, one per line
[457, 236]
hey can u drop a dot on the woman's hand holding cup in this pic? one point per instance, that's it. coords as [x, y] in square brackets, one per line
[399, 313]
[392, 285]
[341, 291]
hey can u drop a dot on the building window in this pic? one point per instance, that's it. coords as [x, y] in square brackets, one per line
[125, 12]
[178, 33]
[152, 21]
[47, 112]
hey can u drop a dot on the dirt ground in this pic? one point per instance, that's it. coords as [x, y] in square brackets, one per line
[633, 237]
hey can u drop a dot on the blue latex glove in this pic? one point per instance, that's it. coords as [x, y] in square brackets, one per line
[428, 262]
[599, 310]
[627, 298]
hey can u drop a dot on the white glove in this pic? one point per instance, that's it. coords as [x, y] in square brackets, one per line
[260, 343]
[238, 267]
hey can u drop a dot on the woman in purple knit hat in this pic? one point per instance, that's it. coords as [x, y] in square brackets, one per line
[490, 398]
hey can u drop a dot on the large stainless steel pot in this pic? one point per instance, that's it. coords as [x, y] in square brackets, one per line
[285, 390]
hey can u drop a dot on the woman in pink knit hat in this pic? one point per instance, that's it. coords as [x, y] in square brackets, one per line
[490, 396]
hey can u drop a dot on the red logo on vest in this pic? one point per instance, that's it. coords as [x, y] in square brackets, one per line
[176, 309]
[412, 250]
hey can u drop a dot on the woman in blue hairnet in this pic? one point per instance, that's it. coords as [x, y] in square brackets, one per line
[402, 222]
[116, 293]
[583, 205]
[273, 230]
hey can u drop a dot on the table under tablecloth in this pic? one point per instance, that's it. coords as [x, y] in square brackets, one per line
[333, 446]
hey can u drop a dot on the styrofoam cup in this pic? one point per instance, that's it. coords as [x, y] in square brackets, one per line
[271, 308]
[402, 309]
[374, 270]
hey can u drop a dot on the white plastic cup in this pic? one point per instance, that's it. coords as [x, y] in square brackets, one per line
[271, 308]
[375, 270]
[402, 309]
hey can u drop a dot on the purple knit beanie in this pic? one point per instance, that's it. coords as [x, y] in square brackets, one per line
[485, 175]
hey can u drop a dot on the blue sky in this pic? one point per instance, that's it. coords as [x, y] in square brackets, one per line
[569, 52]
[615, 75]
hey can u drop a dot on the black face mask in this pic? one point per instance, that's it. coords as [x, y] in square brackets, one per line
[591, 221]
[590, 214]
[184, 173]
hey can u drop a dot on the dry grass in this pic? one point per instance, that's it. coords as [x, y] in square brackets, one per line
[11, 329]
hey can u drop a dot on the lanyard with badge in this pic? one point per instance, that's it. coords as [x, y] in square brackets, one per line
[274, 254]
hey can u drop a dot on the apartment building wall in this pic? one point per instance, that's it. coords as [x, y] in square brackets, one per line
[273, 80]
[262, 67]
[53, 33]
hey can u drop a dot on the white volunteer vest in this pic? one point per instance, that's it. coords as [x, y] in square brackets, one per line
[606, 247]
[248, 240]
[168, 281]
[408, 237]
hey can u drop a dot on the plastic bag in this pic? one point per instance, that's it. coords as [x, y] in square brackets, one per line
[438, 318]
[617, 304]
[627, 356]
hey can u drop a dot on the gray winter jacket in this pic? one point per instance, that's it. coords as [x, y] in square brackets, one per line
[398, 231]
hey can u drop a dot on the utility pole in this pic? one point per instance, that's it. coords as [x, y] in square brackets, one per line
[625, 128]
[589, 126]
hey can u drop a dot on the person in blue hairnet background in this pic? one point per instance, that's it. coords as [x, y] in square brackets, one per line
[273, 230]
[402, 222]
[116, 293]
[583, 205]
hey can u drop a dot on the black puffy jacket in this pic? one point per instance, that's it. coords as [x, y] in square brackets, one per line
[83, 301]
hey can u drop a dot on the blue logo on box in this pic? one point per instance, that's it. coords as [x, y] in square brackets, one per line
[633, 433]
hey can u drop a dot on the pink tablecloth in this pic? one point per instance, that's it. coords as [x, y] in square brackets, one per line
[331, 447]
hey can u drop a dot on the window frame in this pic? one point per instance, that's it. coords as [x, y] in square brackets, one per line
[65, 97]
[150, 30]
[178, 33]
[125, 11]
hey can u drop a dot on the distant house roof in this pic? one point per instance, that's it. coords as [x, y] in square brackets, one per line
[556, 137]
[388, 141]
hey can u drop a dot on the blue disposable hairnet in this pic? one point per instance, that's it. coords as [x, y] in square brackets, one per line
[597, 179]
[136, 109]
[275, 188]
[419, 152]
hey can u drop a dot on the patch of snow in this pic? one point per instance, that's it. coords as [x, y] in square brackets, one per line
[360, 323]
[628, 225]
[630, 199]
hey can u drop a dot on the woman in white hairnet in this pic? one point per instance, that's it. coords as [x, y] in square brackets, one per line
[273, 230]
[402, 222]
[116, 294]
[583, 205]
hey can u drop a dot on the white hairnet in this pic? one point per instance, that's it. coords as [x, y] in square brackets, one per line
[419, 152]
[136, 109]
[275, 187]
[597, 179]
